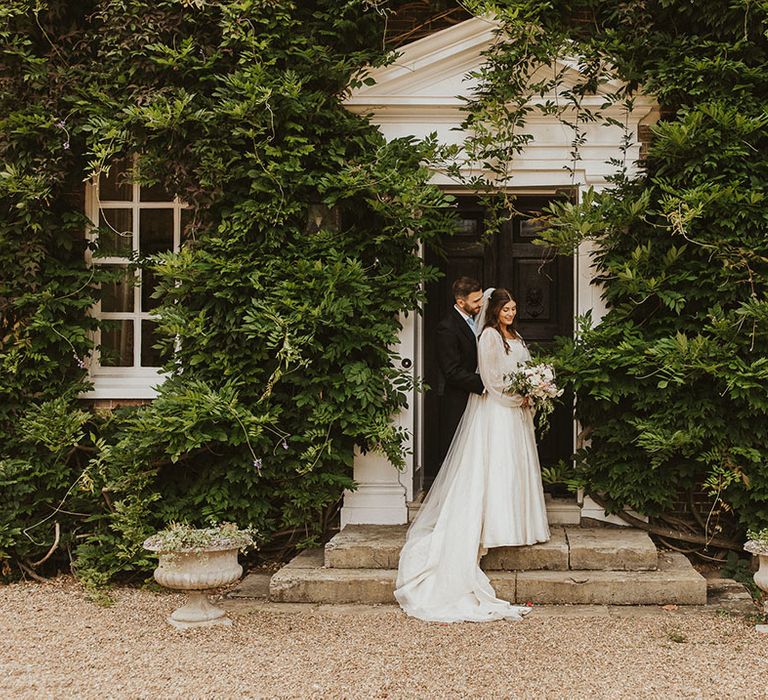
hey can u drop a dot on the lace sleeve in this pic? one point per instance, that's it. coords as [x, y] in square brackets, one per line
[493, 365]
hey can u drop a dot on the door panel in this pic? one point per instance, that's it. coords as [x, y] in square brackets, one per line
[542, 284]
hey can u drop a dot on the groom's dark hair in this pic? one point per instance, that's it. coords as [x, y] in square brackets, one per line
[464, 286]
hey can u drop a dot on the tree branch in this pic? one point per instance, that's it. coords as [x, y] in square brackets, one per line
[669, 532]
[57, 535]
[27, 571]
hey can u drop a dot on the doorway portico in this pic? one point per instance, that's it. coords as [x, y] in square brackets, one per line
[417, 95]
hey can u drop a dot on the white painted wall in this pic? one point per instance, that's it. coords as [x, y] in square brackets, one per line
[418, 95]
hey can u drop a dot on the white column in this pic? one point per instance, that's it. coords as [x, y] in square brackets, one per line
[382, 490]
[588, 295]
[380, 498]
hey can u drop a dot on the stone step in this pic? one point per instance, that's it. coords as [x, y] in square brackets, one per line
[365, 547]
[552, 555]
[621, 549]
[306, 580]
[610, 549]
[674, 581]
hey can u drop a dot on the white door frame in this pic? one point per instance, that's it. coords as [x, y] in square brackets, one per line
[419, 94]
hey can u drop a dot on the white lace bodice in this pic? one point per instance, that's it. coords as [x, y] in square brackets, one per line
[494, 363]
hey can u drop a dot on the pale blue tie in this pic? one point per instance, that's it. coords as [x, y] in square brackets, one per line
[471, 322]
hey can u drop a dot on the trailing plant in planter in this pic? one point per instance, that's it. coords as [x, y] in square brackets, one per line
[757, 544]
[757, 541]
[183, 538]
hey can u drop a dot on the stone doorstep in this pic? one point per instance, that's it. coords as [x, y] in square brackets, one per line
[675, 581]
[722, 593]
[560, 511]
[306, 580]
[624, 549]
[620, 549]
[365, 547]
[378, 547]
[552, 555]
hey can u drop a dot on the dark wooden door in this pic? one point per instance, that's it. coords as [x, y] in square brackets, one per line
[541, 283]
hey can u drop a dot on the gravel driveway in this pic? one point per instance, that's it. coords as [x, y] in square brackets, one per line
[58, 644]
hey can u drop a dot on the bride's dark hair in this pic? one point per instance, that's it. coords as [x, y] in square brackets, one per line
[499, 299]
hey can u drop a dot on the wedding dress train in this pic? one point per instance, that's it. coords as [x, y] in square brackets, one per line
[488, 493]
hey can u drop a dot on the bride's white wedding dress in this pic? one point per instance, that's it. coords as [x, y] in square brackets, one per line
[488, 493]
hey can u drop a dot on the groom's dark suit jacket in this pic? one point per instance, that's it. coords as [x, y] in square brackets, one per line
[457, 360]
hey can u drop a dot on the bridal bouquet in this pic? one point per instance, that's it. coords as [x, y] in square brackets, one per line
[537, 384]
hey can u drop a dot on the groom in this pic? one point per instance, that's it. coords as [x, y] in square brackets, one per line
[457, 357]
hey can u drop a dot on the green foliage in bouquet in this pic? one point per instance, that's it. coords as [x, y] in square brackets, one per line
[277, 316]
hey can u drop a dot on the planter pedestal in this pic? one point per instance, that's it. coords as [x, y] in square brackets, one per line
[761, 579]
[198, 612]
[196, 573]
[761, 575]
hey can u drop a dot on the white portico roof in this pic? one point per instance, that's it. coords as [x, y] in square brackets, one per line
[422, 91]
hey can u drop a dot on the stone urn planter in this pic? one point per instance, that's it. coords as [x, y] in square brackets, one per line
[758, 545]
[197, 560]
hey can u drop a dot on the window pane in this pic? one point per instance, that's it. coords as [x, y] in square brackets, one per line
[529, 228]
[115, 232]
[150, 357]
[118, 295]
[116, 186]
[155, 231]
[154, 193]
[117, 343]
[468, 226]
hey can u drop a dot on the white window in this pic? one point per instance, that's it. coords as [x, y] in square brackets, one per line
[132, 220]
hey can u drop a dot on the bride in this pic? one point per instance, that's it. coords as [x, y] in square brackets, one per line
[488, 492]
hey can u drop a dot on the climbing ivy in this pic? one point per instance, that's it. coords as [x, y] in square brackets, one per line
[672, 383]
[278, 315]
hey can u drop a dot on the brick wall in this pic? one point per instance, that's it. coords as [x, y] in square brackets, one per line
[644, 137]
[102, 405]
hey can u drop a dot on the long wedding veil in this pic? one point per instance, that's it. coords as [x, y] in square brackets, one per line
[481, 315]
[430, 548]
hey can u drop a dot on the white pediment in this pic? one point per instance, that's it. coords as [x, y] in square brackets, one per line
[421, 94]
[434, 71]
[431, 70]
